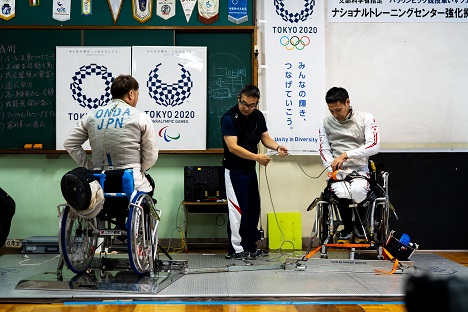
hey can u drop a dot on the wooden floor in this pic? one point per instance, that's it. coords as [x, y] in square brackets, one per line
[459, 257]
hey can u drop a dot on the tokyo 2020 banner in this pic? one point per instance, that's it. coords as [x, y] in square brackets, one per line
[173, 93]
[83, 79]
[295, 72]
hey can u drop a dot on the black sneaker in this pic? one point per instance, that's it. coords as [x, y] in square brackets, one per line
[359, 237]
[257, 252]
[237, 256]
[344, 237]
[243, 255]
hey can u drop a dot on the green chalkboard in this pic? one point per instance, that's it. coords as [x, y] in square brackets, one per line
[229, 69]
[27, 87]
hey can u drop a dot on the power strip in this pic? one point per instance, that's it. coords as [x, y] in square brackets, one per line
[13, 243]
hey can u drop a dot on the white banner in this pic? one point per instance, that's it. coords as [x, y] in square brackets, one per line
[295, 73]
[392, 11]
[173, 92]
[83, 79]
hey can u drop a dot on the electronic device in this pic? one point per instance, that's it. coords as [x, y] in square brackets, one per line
[204, 183]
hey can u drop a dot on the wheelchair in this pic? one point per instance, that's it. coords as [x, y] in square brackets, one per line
[126, 215]
[374, 221]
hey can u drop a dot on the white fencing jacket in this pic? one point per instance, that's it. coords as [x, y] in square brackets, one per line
[358, 136]
[120, 136]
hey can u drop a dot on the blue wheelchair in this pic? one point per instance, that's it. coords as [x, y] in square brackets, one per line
[126, 215]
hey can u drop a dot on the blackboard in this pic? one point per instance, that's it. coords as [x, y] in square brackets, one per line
[229, 69]
[27, 63]
[27, 87]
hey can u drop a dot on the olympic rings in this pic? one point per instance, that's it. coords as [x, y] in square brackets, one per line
[294, 42]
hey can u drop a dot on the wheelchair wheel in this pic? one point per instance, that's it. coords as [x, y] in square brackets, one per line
[324, 222]
[76, 240]
[381, 222]
[141, 239]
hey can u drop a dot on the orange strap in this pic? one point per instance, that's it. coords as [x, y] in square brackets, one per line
[393, 259]
[311, 253]
[380, 272]
[348, 245]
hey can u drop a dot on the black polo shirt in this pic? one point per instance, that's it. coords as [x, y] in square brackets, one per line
[248, 130]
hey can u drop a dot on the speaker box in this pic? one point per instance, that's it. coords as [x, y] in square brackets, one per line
[204, 183]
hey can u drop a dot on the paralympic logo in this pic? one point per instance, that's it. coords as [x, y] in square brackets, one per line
[163, 134]
[294, 42]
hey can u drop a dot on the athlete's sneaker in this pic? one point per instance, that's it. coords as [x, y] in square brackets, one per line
[243, 255]
[344, 237]
[258, 252]
[359, 237]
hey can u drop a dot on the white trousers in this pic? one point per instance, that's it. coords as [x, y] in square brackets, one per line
[356, 189]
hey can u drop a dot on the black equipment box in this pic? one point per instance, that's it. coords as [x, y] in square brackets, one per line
[204, 183]
[41, 244]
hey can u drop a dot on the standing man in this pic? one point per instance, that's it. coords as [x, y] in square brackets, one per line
[243, 127]
[121, 136]
[347, 138]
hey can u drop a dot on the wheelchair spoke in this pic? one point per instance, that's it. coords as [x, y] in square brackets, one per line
[77, 242]
[142, 234]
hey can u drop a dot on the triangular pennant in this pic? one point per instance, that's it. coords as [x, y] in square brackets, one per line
[115, 6]
[237, 11]
[208, 11]
[86, 7]
[165, 8]
[142, 10]
[187, 6]
[61, 10]
[7, 8]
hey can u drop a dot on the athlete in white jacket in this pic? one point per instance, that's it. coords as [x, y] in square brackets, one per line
[347, 139]
[121, 136]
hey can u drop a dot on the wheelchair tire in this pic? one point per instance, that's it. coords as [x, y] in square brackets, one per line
[76, 240]
[140, 227]
[324, 223]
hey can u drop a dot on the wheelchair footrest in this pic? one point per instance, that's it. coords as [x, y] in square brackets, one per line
[111, 264]
[173, 265]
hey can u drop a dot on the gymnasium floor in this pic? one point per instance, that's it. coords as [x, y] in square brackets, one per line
[33, 277]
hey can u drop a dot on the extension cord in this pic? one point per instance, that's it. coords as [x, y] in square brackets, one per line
[13, 243]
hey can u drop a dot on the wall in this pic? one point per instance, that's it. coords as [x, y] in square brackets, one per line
[33, 181]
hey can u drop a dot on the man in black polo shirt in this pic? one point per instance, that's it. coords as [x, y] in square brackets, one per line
[243, 127]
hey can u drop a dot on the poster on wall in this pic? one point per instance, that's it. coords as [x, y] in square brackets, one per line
[173, 93]
[295, 73]
[83, 78]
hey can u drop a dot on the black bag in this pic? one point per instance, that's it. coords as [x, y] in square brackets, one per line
[7, 211]
[75, 188]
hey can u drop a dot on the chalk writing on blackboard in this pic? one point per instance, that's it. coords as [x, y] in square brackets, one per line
[27, 92]
[227, 76]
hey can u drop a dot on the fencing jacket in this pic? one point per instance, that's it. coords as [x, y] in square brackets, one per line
[120, 136]
[358, 136]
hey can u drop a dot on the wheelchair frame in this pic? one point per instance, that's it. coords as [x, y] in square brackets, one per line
[375, 224]
[78, 237]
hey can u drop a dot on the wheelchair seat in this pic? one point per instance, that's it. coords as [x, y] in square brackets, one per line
[126, 213]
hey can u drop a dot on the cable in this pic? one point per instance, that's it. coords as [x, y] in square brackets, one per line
[181, 247]
[273, 206]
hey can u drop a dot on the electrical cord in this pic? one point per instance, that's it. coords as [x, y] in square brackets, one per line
[280, 249]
